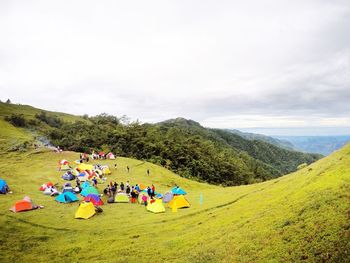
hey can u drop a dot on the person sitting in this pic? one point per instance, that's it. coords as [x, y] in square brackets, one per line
[106, 191]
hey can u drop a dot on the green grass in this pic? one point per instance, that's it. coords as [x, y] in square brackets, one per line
[29, 112]
[303, 216]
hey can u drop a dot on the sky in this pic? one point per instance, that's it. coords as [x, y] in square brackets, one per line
[226, 64]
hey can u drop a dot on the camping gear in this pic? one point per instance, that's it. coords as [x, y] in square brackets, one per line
[142, 187]
[50, 191]
[24, 205]
[121, 198]
[75, 172]
[168, 196]
[84, 167]
[64, 165]
[106, 170]
[63, 162]
[83, 177]
[89, 190]
[4, 188]
[85, 210]
[178, 191]
[68, 177]
[179, 201]
[67, 187]
[44, 186]
[110, 200]
[85, 184]
[66, 197]
[156, 207]
[110, 156]
[95, 199]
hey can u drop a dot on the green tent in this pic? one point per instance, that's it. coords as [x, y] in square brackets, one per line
[89, 190]
[122, 199]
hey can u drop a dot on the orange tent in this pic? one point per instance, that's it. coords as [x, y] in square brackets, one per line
[22, 205]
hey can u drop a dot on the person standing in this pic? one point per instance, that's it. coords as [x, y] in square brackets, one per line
[153, 190]
[128, 168]
[148, 172]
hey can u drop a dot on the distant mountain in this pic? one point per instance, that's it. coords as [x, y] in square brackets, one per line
[260, 137]
[317, 144]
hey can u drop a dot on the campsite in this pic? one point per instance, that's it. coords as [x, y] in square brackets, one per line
[174, 131]
[227, 220]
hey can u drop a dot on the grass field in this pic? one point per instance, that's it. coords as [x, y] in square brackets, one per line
[303, 216]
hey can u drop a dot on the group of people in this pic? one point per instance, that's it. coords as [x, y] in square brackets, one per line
[132, 191]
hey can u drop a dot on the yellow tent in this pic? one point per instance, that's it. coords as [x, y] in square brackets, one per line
[156, 207]
[85, 210]
[83, 167]
[178, 201]
[106, 170]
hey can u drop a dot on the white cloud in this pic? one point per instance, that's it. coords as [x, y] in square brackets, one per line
[227, 63]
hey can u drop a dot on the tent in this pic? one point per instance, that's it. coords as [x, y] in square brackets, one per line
[24, 205]
[65, 167]
[75, 172]
[121, 198]
[89, 190]
[178, 191]
[67, 187]
[68, 177]
[50, 191]
[66, 197]
[3, 187]
[167, 197]
[95, 199]
[110, 156]
[106, 170]
[85, 184]
[156, 207]
[179, 201]
[44, 186]
[63, 162]
[85, 210]
[84, 166]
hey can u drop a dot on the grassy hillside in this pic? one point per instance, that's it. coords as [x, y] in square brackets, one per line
[29, 112]
[183, 146]
[303, 216]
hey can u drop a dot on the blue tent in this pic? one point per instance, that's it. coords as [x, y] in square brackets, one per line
[178, 191]
[85, 184]
[66, 197]
[3, 186]
[68, 176]
[89, 190]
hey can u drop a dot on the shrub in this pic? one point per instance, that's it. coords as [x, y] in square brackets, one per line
[17, 120]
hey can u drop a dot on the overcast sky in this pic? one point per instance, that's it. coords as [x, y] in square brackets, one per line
[226, 64]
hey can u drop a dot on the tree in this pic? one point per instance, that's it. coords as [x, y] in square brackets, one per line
[8, 101]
